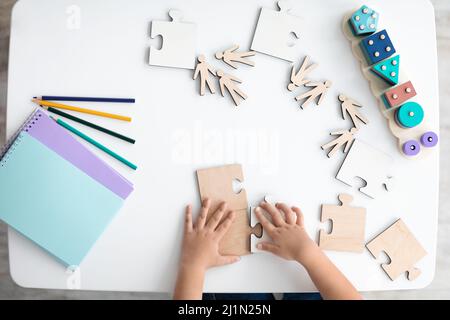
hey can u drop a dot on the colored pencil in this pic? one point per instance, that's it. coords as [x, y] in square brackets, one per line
[95, 143]
[82, 110]
[86, 99]
[90, 124]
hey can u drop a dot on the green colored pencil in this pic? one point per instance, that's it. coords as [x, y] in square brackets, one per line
[90, 124]
[95, 143]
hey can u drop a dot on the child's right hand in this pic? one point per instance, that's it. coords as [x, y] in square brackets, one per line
[290, 239]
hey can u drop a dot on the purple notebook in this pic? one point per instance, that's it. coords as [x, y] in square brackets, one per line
[49, 133]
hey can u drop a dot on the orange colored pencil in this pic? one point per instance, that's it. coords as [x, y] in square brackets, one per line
[82, 110]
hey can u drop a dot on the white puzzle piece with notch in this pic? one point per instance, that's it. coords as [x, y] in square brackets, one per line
[373, 166]
[178, 42]
[274, 32]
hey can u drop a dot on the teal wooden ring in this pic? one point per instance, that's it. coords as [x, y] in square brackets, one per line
[410, 115]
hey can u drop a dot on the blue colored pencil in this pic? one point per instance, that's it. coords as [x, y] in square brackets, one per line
[87, 99]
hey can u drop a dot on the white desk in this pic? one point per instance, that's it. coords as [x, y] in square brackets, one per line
[178, 131]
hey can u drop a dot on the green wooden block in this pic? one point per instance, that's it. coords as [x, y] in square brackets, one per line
[388, 70]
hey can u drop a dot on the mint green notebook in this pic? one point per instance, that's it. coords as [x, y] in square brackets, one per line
[52, 202]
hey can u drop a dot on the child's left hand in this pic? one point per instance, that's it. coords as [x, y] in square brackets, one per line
[201, 240]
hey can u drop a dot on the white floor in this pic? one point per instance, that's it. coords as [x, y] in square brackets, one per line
[439, 289]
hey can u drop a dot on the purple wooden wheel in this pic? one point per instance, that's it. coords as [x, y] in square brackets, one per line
[411, 148]
[429, 139]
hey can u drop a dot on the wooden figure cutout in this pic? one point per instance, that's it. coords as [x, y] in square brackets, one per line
[320, 88]
[298, 78]
[345, 140]
[204, 69]
[227, 81]
[350, 107]
[402, 248]
[348, 226]
[231, 57]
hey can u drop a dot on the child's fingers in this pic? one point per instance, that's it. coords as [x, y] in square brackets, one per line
[266, 223]
[224, 260]
[299, 214]
[275, 214]
[270, 247]
[217, 217]
[201, 220]
[225, 225]
[288, 214]
[188, 219]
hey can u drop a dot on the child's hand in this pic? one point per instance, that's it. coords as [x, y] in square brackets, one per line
[201, 241]
[290, 239]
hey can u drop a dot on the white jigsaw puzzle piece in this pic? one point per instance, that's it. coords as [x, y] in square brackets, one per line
[178, 43]
[274, 32]
[254, 240]
[369, 164]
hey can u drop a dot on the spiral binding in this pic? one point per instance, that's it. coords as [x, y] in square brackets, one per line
[13, 142]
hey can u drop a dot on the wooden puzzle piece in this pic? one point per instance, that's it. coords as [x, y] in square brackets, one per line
[178, 42]
[345, 140]
[399, 95]
[299, 78]
[348, 226]
[237, 240]
[350, 107]
[388, 70]
[402, 248]
[204, 69]
[229, 82]
[364, 21]
[217, 185]
[232, 57]
[369, 164]
[273, 32]
[319, 90]
[377, 47]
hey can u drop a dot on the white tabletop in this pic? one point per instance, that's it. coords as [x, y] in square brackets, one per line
[100, 48]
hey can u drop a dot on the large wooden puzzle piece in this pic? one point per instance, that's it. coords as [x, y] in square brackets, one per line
[217, 185]
[369, 164]
[274, 32]
[402, 248]
[178, 42]
[383, 73]
[348, 226]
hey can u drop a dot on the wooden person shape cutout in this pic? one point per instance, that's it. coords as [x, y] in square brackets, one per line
[298, 78]
[203, 69]
[231, 57]
[350, 107]
[345, 140]
[320, 88]
[227, 81]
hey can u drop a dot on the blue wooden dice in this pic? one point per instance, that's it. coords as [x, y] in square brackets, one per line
[364, 21]
[377, 47]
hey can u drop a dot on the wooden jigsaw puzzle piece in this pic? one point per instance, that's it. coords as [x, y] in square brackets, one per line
[217, 185]
[402, 248]
[365, 162]
[178, 43]
[274, 30]
[348, 226]
[237, 240]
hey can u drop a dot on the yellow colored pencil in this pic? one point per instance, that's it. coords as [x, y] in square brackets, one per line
[82, 110]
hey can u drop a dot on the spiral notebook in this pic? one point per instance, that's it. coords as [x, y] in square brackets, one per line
[55, 191]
